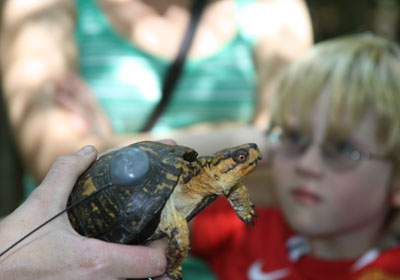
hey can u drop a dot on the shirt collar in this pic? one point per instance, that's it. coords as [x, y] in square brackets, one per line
[299, 246]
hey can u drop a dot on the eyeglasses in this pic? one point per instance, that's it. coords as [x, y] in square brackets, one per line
[338, 155]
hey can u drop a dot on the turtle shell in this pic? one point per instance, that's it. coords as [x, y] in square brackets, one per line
[121, 196]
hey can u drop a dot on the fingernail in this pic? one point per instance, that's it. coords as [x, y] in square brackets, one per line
[85, 151]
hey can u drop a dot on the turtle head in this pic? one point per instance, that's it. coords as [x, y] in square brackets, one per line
[231, 165]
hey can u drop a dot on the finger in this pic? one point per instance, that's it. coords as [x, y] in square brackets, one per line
[61, 178]
[127, 261]
[162, 245]
[159, 244]
[163, 277]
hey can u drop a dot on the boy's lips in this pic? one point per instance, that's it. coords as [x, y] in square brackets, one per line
[306, 197]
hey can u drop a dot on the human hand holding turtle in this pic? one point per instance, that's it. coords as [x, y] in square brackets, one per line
[57, 251]
[133, 195]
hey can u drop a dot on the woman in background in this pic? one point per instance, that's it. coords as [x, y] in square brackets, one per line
[79, 72]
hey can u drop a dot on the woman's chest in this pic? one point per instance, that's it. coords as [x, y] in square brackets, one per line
[158, 27]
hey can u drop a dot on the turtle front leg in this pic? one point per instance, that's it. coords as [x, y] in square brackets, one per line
[239, 199]
[175, 226]
[178, 247]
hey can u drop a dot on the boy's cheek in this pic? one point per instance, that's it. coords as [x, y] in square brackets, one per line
[282, 178]
[281, 171]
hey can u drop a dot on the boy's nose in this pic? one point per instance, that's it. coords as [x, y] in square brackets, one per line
[310, 162]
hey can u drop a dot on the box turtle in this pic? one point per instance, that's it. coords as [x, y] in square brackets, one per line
[149, 190]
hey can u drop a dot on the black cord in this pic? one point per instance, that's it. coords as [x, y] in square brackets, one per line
[172, 75]
[54, 217]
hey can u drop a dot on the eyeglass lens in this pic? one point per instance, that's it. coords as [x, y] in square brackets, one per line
[336, 154]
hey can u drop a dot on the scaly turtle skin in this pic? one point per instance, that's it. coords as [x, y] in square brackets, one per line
[153, 189]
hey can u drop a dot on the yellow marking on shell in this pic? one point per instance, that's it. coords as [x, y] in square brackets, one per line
[88, 187]
[146, 190]
[95, 208]
[134, 224]
[147, 149]
[162, 186]
[176, 163]
[111, 214]
[108, 210]
[172, 177]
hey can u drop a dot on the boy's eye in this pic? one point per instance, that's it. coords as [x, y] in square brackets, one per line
[293, 136]
[343, 147]
[342, 151]
[288, 142]
[293, 142]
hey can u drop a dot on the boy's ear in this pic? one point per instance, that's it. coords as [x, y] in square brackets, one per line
[395, 193]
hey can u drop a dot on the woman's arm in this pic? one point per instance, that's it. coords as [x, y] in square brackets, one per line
[284, 32]
[51, 110]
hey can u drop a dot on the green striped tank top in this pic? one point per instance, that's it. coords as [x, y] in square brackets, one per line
[127, 81]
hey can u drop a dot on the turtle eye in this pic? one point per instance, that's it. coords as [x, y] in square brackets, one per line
[240, 156]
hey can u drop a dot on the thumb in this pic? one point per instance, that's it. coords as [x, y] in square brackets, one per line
[63, 175]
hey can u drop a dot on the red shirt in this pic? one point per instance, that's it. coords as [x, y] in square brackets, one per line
[234, 251]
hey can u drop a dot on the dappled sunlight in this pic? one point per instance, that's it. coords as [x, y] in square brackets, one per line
[130, 72]
[284, 24]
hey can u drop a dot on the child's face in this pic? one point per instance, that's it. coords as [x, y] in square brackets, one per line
[320, 199]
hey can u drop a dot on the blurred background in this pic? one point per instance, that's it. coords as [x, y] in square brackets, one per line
[11, 190]
[336, 17]
[330, 18]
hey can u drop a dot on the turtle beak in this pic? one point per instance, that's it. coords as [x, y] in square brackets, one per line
[255, 156]
[255, 153]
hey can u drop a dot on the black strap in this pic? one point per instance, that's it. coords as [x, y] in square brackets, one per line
[174, 71]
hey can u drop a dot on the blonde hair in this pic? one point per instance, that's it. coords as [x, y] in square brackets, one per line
[360, 72]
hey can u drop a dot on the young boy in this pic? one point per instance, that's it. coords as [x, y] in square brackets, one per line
[335, 152]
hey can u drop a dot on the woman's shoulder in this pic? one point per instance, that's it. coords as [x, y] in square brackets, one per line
[270, 18]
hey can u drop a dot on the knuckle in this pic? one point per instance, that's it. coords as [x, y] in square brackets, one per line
[40, 197]
[64, 165]
[65, 160]
[160, 265]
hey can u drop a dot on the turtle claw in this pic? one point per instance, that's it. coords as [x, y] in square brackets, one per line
[249, 218]
[175, 275]
[246, 214]
[241, 203]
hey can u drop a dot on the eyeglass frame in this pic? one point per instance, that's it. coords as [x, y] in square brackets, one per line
[362, 154]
